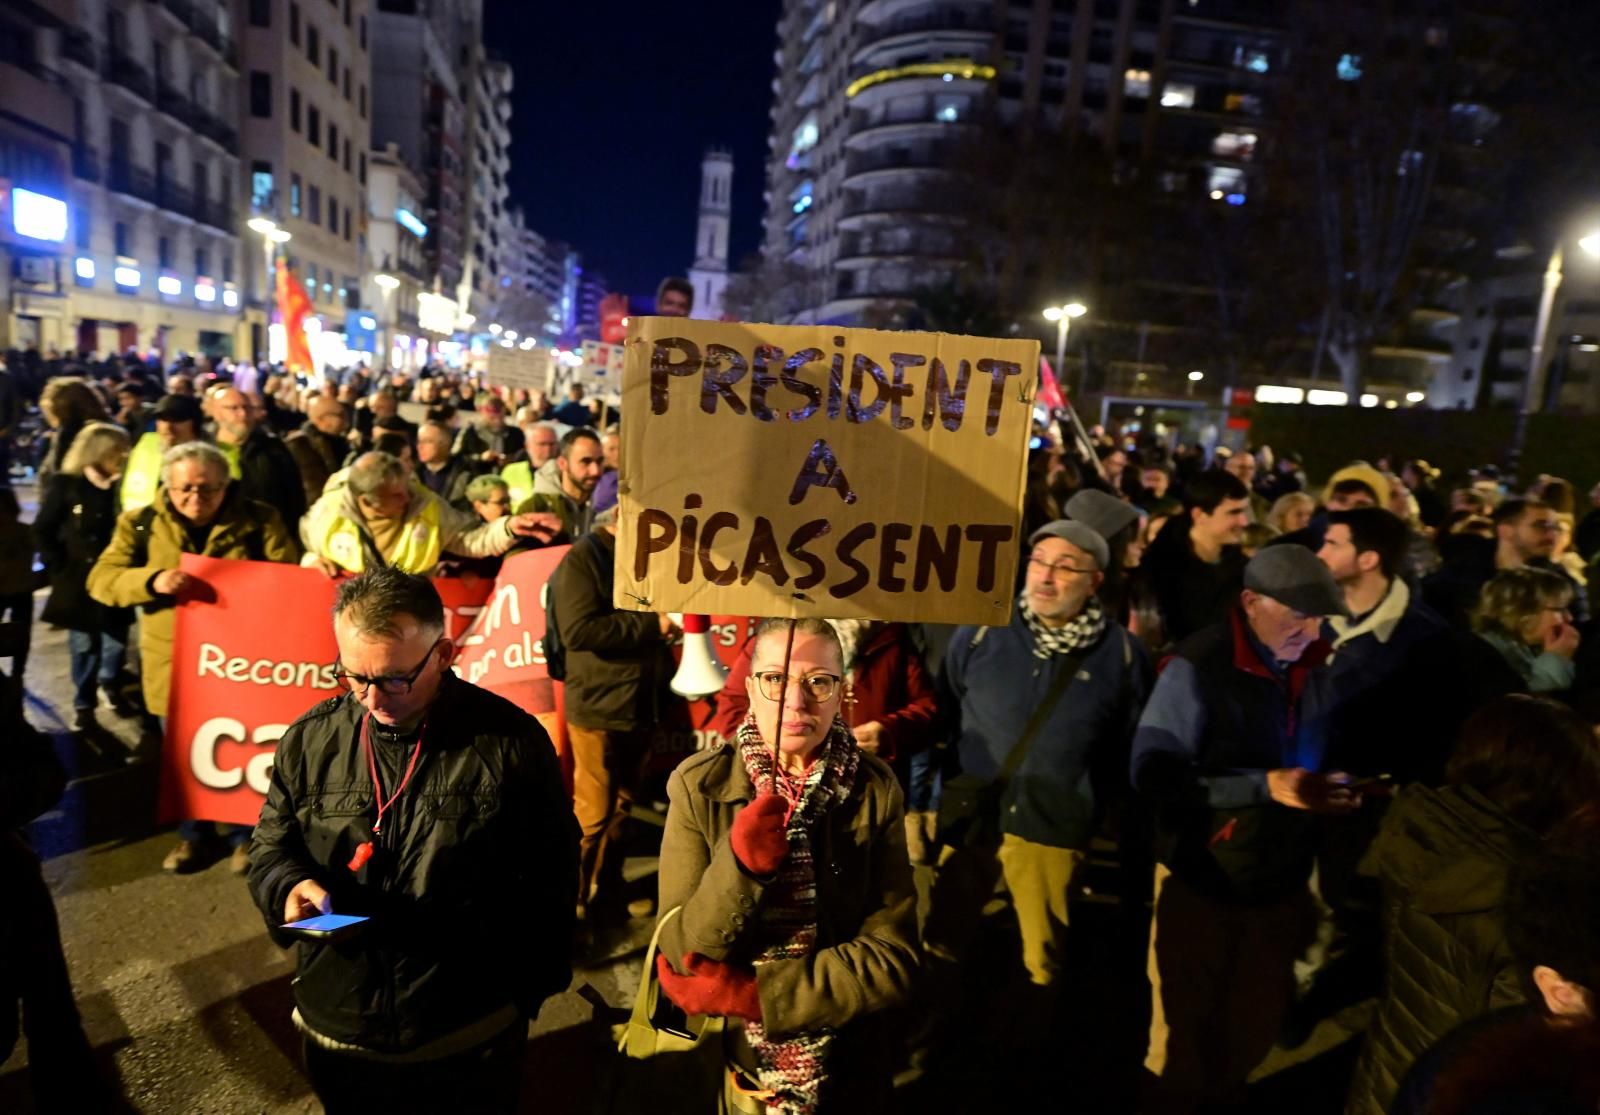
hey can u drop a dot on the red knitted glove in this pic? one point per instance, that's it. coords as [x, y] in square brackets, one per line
[758, 836]
[711, 987]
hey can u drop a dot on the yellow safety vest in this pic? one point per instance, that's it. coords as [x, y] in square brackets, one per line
[421, 543]
[141, 477]
[519, 482]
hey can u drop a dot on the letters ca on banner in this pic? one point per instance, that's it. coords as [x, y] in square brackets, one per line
[250, 653]
[813, 471]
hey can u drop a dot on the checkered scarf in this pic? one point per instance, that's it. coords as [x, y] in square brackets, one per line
[793, 1071]
[1080, 633]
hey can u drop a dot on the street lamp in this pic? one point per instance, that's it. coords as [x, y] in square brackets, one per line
[387, 283]
[1533, 388]
[1062, 316]
[1195, 377]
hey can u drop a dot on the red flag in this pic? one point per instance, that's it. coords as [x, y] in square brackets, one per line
[1049, 388]
[293, 306]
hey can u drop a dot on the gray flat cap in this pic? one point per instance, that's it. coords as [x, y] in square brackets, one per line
[1102, 513]
[1080, 535]
[1295, 576]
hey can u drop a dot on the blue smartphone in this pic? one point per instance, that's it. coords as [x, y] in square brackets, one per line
[327, 927]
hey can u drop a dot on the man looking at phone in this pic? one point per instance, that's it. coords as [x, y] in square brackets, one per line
[1230, 754]
[437, 811]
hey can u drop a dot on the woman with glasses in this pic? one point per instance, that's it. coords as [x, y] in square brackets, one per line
[197, 511]
[887, 702]
[795, 913]
[1525, 614]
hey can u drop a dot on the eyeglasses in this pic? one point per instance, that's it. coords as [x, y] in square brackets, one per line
[1059, 569]
[389, 686]
[501, 502]
[204, 491]
[819, 687]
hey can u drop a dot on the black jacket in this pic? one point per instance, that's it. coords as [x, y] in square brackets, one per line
[450, 483]
[74, 524]
[1192, 594]
[473, 443]
[470, 891]
[317, 455]
[618, 665]
[268, 473]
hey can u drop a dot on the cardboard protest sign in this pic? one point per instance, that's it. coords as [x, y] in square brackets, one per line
[601, 370]
[253, 649]
[519, 367]
[816, 471]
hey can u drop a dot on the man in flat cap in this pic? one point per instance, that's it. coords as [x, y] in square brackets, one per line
[1229, 755]
[1043, 704]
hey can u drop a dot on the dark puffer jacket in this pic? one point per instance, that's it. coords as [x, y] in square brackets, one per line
[1443, 857]
[470, 893]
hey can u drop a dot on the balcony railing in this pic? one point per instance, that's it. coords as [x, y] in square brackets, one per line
[215, 130]
[214, 213]
[78, 47]
[170, 100]
[203, 23]
[125, 178]
[85, 162]
[174, 198]
[180, 8]
[128, 72]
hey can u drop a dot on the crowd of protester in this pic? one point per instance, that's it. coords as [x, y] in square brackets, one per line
[1341, 736]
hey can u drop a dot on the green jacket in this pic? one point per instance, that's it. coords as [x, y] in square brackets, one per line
[867, 949]
[1443, 857]
[242, 529]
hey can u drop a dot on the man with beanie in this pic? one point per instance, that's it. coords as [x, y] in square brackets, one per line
[1230, 755]
[1046, 705]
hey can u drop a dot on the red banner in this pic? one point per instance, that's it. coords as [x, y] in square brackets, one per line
[254, 649]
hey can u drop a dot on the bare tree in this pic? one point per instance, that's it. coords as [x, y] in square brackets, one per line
[1367, 110]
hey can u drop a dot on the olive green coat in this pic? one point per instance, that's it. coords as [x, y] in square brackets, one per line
[867, 949]
[243, 528]
[1444, 858]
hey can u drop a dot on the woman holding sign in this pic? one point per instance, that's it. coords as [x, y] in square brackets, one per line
[795, 914]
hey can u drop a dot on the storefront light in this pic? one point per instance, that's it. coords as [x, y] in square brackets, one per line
[205, 291]
[126, 276]
[230, 299]
[83, 267]
[38, 216]
[170, 285]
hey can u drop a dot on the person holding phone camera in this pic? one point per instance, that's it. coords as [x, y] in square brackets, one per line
[436, 811]
[1230, 753]
[796, 915]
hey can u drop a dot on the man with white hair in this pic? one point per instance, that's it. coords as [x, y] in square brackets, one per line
[377, 517]
[197, 511]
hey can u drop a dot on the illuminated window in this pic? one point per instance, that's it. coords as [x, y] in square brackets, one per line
[1177, 96]
[1235, 145]
[1256, 61]
[949, 109]
[1136, 83]
[1247, 104]
[1349, 67]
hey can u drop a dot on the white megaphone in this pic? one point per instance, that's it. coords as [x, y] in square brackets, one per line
[700, 672]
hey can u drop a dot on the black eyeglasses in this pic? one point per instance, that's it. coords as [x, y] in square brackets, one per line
[819, 687]
[390, 686]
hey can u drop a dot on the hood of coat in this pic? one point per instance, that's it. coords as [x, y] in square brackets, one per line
[547, 480]
[1448, 850]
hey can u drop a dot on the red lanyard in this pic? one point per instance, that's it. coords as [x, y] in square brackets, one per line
[372, 768]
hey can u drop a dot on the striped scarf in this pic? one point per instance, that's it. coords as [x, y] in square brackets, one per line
[794, 1070]
[1080, 633]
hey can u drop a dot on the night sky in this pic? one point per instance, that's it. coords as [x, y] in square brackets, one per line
[613, 106]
